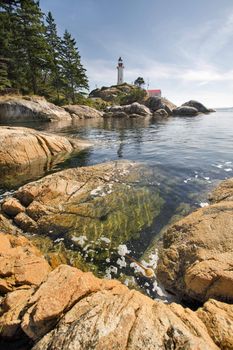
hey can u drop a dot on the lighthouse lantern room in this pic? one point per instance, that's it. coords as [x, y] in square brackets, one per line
[120, 72]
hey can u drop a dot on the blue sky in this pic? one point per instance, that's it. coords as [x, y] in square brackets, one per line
[184, 47]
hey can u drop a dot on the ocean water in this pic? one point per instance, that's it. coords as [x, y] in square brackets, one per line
[189, 157]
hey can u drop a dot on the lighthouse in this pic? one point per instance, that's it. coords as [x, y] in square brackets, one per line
[120, 72]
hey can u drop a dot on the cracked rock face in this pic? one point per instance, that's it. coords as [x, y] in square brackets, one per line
[26, 152]
[99, 206]
[21, 264]
[71, 310]
[196, 260]
[123, 319]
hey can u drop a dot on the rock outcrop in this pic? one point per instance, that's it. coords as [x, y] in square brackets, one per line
[82, 112]
[27, 152]
[69, 309]
[185, 111]
[75, 310]
[23, 146]
[196, 260]
[199, 106]
[99, 206]
[19, 108]
[21, 264]
[133, 110]
[110, 94]
[156, 103]
[223, 192]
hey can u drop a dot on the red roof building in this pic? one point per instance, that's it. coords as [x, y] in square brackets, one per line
[156, 92]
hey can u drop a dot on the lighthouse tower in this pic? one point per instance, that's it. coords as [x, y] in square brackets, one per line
[120, 72]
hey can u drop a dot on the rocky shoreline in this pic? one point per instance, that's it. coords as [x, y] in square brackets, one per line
[49, 299]
[16, 108]
[53, 307]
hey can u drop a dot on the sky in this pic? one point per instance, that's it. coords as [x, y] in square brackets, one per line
[183, 47]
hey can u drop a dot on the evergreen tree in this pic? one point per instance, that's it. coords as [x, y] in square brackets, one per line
[73, 73]
[4, 80]
[54, 42]
[139, 82]
[32, 44]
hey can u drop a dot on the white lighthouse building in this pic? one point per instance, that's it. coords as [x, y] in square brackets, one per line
[120, 72]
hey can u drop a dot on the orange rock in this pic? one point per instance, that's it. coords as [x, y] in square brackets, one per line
[20, 263]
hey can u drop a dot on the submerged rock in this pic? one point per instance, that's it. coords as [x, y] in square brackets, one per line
[82, 112]
[196, 260]
[92, 208]
[19, 108]
[133, 110]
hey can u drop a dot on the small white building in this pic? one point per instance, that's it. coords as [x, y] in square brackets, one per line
[120, 72]
[153, 93]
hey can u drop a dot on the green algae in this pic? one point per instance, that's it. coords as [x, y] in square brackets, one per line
[104, 222]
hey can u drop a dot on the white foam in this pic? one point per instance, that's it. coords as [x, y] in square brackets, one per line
[105, 239]
[122, 250]
[80, 240]
[121, 262]
[58, 240]
[204, 204]
[228, 169]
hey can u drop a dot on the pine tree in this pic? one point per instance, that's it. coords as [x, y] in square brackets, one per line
[6, 37]
[73, 73]
[54, 42]
[32, 43]
[4, 80]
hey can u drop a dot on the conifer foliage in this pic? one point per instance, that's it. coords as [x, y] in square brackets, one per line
[33, 58]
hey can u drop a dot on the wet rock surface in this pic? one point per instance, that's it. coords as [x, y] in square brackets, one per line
[19, 108]
[92, 209]
[196, 259]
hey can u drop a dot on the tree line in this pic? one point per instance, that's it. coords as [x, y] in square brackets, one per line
[33, 58]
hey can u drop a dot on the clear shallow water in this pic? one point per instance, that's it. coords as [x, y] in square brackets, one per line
[188, 155]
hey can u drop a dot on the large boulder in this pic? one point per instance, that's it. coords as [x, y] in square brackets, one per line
[199, 106]
[19, 108]
[156, 103]
[26, 152]
[133, 110]
[82, 112]
[92, 208]
[23, 146]
[185, 111]
[196, 260]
